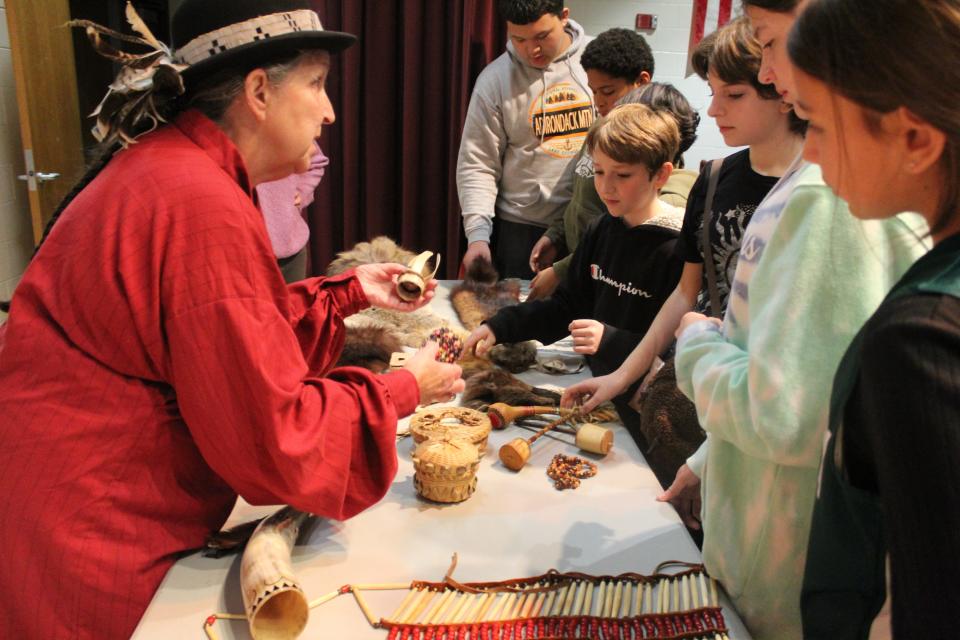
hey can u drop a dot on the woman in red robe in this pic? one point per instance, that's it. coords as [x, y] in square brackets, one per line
[155, 365]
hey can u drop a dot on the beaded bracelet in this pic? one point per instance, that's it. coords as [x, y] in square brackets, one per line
[567, 471]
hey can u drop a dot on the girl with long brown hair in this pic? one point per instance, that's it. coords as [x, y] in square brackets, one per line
[881, 88]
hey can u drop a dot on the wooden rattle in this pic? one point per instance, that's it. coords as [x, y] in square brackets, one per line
[502, 414]
[591, 438]
[515, 453]
[413, 281]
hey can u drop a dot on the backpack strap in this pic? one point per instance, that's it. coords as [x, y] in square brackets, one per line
[713, 177]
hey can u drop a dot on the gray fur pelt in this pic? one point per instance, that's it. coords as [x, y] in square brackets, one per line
[411, 329]
[373, 334]
[380, 249]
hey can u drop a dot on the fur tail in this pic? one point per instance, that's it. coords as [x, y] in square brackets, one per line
[481, 270]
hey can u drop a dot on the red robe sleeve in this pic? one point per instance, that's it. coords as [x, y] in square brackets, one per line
[308, 317]
[245, 354]
[271, 430]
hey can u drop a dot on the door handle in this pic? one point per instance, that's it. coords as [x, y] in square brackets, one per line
[39, 175]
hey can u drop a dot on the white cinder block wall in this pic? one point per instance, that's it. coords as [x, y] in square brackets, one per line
[669, 43]
[16, 234]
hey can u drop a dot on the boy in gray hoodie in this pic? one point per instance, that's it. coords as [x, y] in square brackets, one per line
[528, 117]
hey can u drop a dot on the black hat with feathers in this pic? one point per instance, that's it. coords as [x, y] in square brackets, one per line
[211, 35]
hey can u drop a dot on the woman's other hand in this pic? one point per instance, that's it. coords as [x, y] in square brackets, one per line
[684, 495]
[438, 381]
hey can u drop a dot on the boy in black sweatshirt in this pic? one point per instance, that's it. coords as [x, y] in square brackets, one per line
[624, 267]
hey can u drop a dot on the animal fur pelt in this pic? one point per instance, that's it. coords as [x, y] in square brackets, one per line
[369, 347]
[487, 383]
[373, 334]
[515, 358]
[412, 328]
[668, 421]
[380, 249]
[481, 295]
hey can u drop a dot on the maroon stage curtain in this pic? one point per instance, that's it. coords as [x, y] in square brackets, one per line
[401, 96]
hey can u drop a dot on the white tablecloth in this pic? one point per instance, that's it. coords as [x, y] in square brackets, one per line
[515, 525]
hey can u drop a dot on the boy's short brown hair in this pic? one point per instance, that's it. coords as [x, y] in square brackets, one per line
[636, 134]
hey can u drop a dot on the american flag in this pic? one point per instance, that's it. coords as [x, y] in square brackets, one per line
[707, 16]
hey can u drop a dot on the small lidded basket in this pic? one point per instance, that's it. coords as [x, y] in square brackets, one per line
[445, 469]
[458, 422]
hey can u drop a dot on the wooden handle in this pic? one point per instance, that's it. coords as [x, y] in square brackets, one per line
[502, 414]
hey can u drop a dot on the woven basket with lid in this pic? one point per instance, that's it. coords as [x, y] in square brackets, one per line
[445, 469]
[458, 422]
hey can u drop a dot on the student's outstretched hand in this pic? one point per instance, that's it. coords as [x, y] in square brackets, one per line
[543, 284]
[379, 283]
[684, 495]
[589, 394]
[543, 254]
[586, 334]
[480, 341]
[438, 381]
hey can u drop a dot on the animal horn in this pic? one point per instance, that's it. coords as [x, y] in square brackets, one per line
[273, 600]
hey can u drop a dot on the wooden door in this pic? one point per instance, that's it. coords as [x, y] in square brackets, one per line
[43, 67]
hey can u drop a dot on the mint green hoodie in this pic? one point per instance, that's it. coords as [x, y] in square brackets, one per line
[808, 277]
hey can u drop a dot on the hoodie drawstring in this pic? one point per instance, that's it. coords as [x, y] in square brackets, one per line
[543, 106]
[580, 84]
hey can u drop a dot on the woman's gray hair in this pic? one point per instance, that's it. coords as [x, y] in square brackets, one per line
[219, 91]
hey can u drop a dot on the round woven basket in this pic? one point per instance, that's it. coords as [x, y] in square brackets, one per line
[445, 469]
[458, 422]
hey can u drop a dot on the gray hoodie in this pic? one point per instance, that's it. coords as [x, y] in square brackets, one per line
[523, 132]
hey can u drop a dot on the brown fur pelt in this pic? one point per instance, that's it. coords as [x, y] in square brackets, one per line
[668, 420]
[369, 347]
[380, 249]
[488, 383]
[480, 295]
